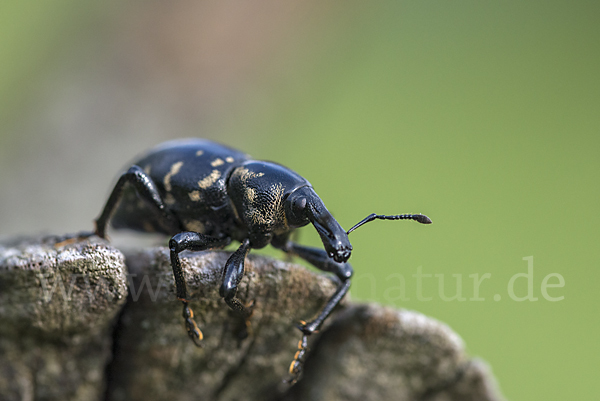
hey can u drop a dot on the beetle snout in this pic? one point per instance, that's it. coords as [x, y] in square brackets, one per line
[340, 253]
[341, 256]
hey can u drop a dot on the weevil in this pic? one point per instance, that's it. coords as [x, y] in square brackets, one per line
[205, 195]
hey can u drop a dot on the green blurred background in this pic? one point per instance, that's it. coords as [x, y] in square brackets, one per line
[483, 115]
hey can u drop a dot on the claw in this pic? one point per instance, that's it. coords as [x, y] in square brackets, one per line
[250, 308]
[298, 362]
[194, 332]
[249, 311]
[190, 324]
[100, 232]
[72, 238]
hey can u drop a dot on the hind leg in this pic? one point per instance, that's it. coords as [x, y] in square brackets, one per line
[146, 191]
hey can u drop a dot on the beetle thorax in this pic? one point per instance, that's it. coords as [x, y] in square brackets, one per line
[257, 191]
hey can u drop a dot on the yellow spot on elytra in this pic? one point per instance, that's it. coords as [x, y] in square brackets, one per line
[209, 179]
[194, 196]
[217, 162]
[292, 367]
[195, 226]
[199, 153]
[169, 199]
[175, 167]
[229, 159]
[244, 174]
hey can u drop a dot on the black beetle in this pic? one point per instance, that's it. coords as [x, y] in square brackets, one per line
[204, 195]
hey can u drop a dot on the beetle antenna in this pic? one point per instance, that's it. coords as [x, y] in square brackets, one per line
[421, 218]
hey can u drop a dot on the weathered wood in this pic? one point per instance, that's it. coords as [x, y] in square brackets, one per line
[57, 307]
[122, 336]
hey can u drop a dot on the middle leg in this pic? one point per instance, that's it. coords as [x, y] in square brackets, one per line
[190, 241]
[232, 275]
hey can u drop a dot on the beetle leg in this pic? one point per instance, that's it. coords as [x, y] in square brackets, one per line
[232, 275]
[343, 271]
[297, 363]
[60, 241]
[190, 241]
[146, 190]
[319, 258]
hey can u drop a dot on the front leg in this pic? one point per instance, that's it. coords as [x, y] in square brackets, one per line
[319, 258]
[343, 271]
[190, 241]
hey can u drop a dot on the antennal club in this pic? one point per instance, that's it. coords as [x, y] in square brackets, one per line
[421, 218]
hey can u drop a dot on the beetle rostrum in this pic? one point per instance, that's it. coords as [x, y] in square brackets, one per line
[205, 195]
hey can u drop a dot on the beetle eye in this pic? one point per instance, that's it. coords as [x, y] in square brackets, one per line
[298, 209]
[299, 204]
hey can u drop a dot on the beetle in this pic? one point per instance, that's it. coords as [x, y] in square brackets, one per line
[205, 195]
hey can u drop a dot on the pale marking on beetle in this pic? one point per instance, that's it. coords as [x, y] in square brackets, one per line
[175, 167]
[148, 227]
[229, 159]
[147, 169]
[170, 199]
[279, 210]
[194, 225]
[209, 179]
[251, 194]
[217, 162]
[235, 212]
[199, 153]
[272, 215]
[194, 196]
[244, 174]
